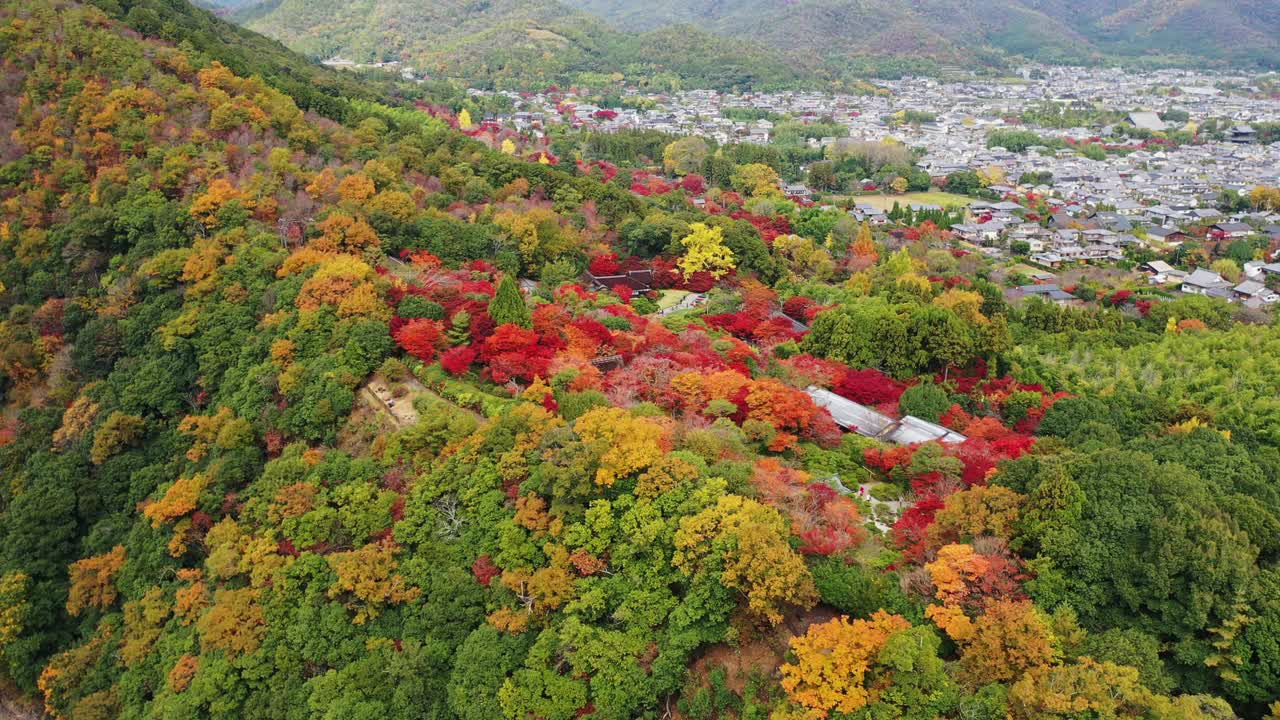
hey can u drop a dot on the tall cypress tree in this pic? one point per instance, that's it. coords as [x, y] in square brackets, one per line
[507, 305]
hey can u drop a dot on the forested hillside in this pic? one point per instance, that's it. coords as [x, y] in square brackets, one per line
[763, 43]
[512, 42]
[315, 414]
[945, 29]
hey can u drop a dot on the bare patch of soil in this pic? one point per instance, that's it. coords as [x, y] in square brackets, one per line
[759, 653]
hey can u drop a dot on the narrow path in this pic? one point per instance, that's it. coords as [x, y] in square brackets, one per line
[863, 492]
[377, 393]
[897, 507]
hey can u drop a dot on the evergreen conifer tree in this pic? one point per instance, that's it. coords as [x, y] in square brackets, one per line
[507, 305]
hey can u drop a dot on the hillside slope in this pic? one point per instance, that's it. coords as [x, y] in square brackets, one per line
[951, 29]
[1243, 31]
[767, 42]
[540, 41]
[282, 438]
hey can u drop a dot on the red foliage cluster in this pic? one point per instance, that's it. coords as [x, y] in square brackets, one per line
[805, 370]
[730, 199]
[769, 227]
[420, 338]
[910, 532]
[604, 264]
[512, 352]
[484, 570]
[667, 276]
[573, 292]
[457, 360]
[826, 522]
[48, 317]
[693, 184]
[775, 330]
[1119, 298]
[887, 459]
[643, 183]
[869, 387]
[738, 324]
[601, 169]
[798, 308]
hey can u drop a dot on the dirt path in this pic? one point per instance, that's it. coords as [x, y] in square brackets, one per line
[377, 392]
[377, 395]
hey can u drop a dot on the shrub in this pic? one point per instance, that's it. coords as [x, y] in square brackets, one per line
[925, 401]
[414, 306]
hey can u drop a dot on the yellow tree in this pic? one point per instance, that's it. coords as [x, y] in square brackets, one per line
[991, 175]
[1265, 197]
[143, 624]
[1009, 639]
[967, 304]
[179, 499]
[747, 543]
[627, 444]
[220, 193]
[333, 282]
[705, 251]
[340, 231]
[756, 179]
[367, 575]
[76, 421]
[545, 589]
[980, 510]
[833, 660]
[685, 155]
[322, 184]
[803, 257]
[464, 119]
[234, 624]
[93, 581]
[356, 188]
[1086, 689]
[15, 607]
[119, 431]
[537, 234]
[397, 204]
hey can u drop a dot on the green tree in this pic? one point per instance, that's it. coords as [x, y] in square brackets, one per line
[686, 155]
[508, 306]
[925, 401]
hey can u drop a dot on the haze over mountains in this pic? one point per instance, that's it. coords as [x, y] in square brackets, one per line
[762, 41]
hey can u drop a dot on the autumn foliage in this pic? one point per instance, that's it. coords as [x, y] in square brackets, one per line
[833, 667]
[93, 581]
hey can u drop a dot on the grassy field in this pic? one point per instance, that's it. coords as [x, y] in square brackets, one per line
[885, 202]
[670, 298]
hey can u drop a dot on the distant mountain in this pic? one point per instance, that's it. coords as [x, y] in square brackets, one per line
[1240, 30]
[516, 40]
[730, 43]
[1246, 31]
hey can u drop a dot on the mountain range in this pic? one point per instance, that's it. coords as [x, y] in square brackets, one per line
[733, 43]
